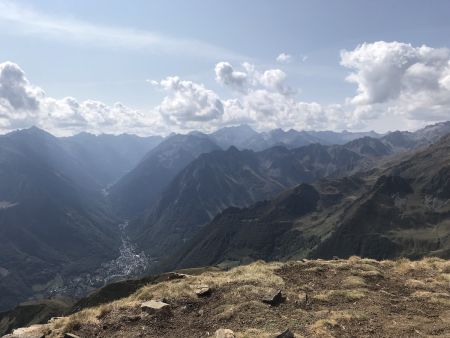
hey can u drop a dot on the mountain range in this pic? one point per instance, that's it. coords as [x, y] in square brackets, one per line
[398, 210]
[231, 196]
[221, 179]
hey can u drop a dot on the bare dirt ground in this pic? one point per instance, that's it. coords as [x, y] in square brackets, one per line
[336, 298]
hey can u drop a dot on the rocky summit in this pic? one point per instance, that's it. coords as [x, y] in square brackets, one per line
[354, 297]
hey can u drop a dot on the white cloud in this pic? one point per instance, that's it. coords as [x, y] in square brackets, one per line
[228, 76]
[23, 104]
[188, 104]
[396, 82]
[266, 101]
[275, 80]
[265, 109]
[398, 78]
[19, 103]
[284, 58]
[15, 91]
[250, 79]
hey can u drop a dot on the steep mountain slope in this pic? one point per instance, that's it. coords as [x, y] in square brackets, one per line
[401, 140]
[222, 179]
[42, 147]
[109, 157]
[138, 189]
[406, 211]
[237, 136]
[402, 210]
[34, 312]
[52, 223]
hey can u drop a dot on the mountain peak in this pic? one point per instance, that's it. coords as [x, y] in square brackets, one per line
[32, 131]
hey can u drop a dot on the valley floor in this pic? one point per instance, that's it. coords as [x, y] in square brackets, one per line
[335, 298]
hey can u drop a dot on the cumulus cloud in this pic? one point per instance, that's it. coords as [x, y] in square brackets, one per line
[226, 74]
[187, 103]
[250, 79]
[23, 105]
[398, 78]
[284, 58]
[19, 103]
[266, 101]
[394, 82]
[265, 109]
[275, 80]
[262, 99]
[15, 90]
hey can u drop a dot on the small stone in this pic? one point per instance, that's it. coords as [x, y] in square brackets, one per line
[275, 299]
[154, 306]
[70, 335]
[176, 275]
[202, 290]
[286, 334]
[53, 319]
[224, 333]
[132, 319]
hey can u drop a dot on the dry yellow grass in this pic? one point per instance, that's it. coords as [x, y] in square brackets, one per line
[258, 277]
[343, 295]
[323, 326]
[259, 274]
[340, 295]
[433, 297]
[353, 282]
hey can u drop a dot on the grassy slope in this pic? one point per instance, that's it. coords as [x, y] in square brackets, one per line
[346, 298]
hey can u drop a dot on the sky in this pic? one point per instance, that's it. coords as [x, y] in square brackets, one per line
[155, 67]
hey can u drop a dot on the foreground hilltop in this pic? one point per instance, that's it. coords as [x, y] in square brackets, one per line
[319, 298]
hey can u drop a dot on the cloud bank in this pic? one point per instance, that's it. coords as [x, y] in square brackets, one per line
[23, 105]
[392, 79]
[397, 78]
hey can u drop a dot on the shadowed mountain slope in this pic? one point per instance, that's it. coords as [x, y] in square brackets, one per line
[138, 189]
[52, 222]
[402, 210]
[222, 179]
[109, 157]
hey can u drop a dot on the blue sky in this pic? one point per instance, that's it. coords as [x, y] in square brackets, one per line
[106, 51]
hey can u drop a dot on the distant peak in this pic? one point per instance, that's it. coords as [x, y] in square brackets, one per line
[33, 130]
[232, 149]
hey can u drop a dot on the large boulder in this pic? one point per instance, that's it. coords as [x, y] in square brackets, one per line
[155, 307]
[202, 290]
[274, 299]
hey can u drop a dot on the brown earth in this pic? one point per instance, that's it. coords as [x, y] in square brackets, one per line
[344, 298]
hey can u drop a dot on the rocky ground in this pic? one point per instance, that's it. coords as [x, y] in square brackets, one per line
[336, 298]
